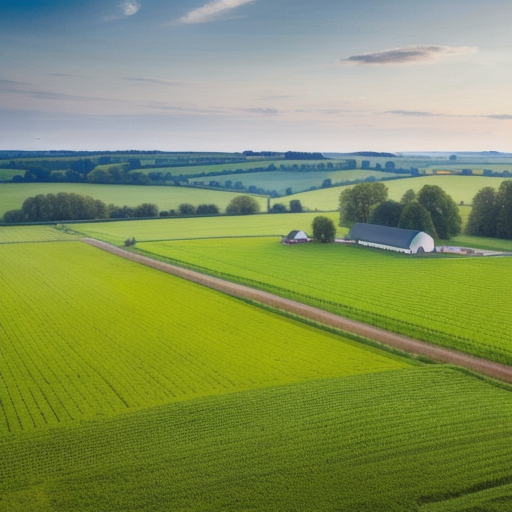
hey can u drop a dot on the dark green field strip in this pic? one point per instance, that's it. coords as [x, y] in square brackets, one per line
[387, 441]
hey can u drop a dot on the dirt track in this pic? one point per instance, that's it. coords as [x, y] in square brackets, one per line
[441, 355]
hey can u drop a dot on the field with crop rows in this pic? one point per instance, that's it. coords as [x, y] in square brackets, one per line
[12, 195]
[461, 188]
[463, 303]
[46, 233]
[384, 442]
[200, 227]
[245, 166]
[86, 334]
[297, 181]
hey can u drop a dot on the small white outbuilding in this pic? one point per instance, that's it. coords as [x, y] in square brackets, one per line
[296, 237]
[409, 241]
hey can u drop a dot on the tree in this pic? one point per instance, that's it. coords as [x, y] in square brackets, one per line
[207, 209]
[453, 157]
[358, 202]
[387, 214]
[243, 205]
[288, 191]
[484, 213]
[14, 217]
[186, 209]
[416, 216]
[324, 230]
[327, 183]
[278, 208]
[295, 206]
[409, 196]
[504, 220]
[443, 210]
[146, 210]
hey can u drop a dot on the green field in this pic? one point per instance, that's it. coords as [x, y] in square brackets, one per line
[462, 303]
[385, 442]
[12, 195]
[461, 188]
[85, 334]
[16, 234]
[199, 227]
[245, 166]
[297, 181]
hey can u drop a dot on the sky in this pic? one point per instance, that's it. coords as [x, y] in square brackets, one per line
[261, 75]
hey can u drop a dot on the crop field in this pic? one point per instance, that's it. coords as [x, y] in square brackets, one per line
[200, 227]
[16, 234]
[461, 188]
[297, 181]
[397, 441]
[7, 174]
[87, 334]
[12, 195]
[245, 166]
[462, 303]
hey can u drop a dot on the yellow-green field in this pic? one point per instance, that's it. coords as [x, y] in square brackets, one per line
[86, 334]
[461, 188]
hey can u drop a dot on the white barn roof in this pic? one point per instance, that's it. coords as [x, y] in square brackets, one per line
[394, 239]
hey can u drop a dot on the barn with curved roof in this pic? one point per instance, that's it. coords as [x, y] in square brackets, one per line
[409, 241]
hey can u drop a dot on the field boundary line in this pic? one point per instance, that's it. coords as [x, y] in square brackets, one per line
[404, 343]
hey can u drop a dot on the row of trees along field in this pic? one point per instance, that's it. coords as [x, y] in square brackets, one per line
[69, 206]
[491, 215]
[431, 210]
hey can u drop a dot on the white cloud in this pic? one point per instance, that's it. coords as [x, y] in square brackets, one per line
[130, 7]
[212, 10]
[408, 54]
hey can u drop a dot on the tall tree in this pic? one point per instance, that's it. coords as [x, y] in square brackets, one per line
[324, 230]
[357, 203]
[504, 220]
[416, 216]
[409, 196]
[443, 210]
[387, 214]
[242, 205]
[484, 213]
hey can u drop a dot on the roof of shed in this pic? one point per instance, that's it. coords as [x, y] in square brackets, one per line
[384, 235]
[292, 234]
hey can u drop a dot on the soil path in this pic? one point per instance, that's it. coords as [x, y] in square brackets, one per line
[410, 345]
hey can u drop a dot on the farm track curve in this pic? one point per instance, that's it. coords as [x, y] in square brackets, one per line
[404, 343]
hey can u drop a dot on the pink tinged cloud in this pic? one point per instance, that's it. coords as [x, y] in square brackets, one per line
[211, 11]
[408, 54]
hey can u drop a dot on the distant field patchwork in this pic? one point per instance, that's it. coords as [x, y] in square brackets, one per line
[460, 303]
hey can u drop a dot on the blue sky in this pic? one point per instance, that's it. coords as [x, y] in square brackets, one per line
[230, 75]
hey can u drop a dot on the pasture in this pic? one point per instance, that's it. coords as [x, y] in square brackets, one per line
[394, 441]
[461, 188]
[86, 334]
[461, 303]
[297, 181]
[199, 227]
[12, 195]
[44, 233]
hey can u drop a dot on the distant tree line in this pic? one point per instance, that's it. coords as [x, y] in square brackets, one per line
[432, 210]
[70, 206]
[296, 155]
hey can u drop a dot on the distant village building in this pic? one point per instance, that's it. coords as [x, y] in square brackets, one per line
[409, 241]
[295, 237]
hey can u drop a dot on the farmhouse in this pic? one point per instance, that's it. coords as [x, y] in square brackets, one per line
[295, 237]
[409, 241]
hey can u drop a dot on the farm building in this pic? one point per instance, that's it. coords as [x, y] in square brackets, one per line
[409, 241]
[295, 237]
